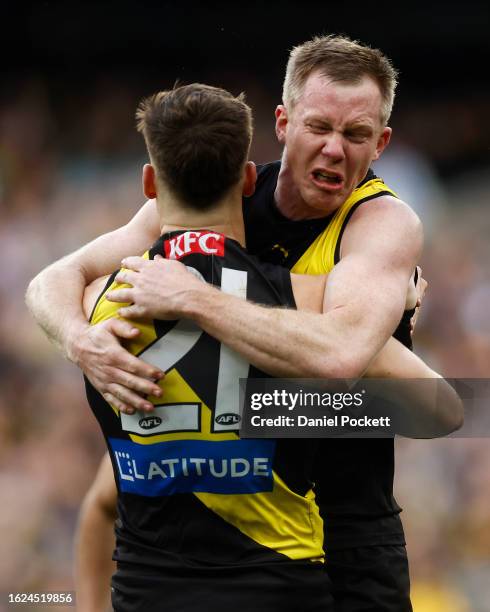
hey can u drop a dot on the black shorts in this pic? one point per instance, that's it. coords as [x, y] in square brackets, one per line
[370, 579]
[275, 588]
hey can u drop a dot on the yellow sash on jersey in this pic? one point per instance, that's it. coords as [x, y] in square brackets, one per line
[319, 258]
[279, 519]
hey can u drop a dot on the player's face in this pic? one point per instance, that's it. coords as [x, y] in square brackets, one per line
[331, 136]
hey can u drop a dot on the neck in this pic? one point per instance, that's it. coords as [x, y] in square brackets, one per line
[225, 218]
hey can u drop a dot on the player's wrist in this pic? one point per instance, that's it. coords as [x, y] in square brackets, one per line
[198, 302]
[72, 344]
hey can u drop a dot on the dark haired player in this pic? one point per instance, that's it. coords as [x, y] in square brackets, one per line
[206, 519]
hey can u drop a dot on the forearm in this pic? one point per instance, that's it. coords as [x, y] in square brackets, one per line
[94, 565]
[54, 298]
[426, 405]
[280, 341]
[359, 314]
[428, 408]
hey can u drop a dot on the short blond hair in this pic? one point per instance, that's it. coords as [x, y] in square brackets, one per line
[343, 60]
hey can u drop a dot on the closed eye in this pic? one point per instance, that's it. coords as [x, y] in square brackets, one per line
[357, 136]
[318, 128]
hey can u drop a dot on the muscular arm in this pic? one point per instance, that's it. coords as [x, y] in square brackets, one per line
[95, 542]
[425, 404]
[54, 297]
[364, 301]
[425, 409]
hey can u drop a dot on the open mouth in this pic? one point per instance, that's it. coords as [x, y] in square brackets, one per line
[328, 178]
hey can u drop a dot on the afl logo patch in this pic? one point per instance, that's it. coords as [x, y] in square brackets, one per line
[228, 418]
[150, 422]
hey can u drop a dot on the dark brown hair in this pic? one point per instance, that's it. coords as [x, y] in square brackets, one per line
[343, 60]
[198, 138]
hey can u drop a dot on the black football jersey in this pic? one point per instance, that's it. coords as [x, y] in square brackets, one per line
[191, 492]
[356, 498]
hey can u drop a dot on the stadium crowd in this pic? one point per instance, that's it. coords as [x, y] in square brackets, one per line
[68, 176]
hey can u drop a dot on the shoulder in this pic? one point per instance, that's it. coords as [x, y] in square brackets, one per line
[385, 211]
[384, 220]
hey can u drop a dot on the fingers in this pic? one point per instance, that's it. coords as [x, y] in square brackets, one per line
[121, 406]
[125, 400]
[118, 362]
[142, 386]
[134, 263]
[129, 398]
[127, 391]
[131, 367]
[120, 295]
[127, 394]
[122, 329]
[122, 378]
[126, 277]
[132, 312]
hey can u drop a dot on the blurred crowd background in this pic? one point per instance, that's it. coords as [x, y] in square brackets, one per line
[70, 162]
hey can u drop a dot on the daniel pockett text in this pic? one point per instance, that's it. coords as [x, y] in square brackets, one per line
[307, 413]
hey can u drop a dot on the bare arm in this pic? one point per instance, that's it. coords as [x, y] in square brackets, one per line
[364, 301]
[426, 410]
[427, 404]
[54, 297]
[95, 542]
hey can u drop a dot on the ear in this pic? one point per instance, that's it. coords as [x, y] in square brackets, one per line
[383, 141]
[281, 123]
[149, 181]
[250, 179]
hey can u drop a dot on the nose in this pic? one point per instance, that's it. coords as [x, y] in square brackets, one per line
[333, 146]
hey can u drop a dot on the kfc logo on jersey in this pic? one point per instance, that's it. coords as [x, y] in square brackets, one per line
[207, 243]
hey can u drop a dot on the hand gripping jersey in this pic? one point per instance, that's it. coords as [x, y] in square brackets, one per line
[356, 497]
[192, 495]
